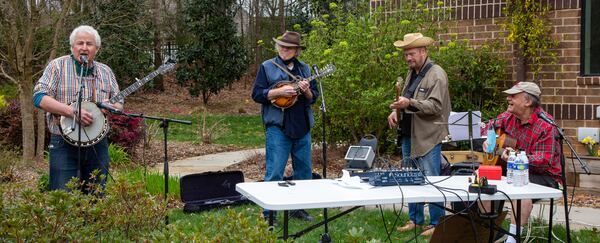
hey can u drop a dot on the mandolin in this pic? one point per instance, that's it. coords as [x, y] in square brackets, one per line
[503, 141]
[286, 102]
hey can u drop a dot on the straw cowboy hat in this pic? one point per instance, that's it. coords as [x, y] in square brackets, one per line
[413, 40]
[289, 39]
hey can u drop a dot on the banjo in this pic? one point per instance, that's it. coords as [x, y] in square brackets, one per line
[99, 127]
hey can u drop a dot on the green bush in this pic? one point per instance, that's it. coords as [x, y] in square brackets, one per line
[9, 159]
[118, 156]
[125, 211]
[472, 76]
[360, 43]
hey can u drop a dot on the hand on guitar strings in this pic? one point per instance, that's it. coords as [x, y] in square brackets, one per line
[401, 103]
[393, 119]
[304, 86]
[86, 116]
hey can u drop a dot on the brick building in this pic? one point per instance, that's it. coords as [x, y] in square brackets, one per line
[571, 87]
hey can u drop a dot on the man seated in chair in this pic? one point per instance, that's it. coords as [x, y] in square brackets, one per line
[534, 136]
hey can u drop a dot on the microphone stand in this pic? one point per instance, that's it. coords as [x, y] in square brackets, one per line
[561, 137]
[164, 123]
[325, 237]
[78, 117]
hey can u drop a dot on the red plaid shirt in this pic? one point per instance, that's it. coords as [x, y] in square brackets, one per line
[537, 138]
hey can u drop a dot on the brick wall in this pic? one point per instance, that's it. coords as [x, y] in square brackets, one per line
[568, 96]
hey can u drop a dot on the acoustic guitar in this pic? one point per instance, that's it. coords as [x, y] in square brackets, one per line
[503, 141]
[286, 102]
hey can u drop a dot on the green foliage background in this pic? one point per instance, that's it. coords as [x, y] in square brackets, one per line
[361, 46]
[211, 54]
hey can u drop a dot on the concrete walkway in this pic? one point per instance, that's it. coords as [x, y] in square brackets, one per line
[210, 162]
[580, 217]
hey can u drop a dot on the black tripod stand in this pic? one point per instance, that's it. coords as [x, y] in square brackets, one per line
[561, 137]
[164, 123]
[325, 238]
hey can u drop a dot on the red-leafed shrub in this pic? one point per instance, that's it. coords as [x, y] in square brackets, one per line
[125, 131]
[11, 129]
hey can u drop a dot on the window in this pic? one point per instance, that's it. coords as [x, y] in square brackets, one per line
[590, 53]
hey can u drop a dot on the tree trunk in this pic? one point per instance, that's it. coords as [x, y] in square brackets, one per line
[281, 16]
[520, 66]
[27, 119]
[257, 17]
[158, 81]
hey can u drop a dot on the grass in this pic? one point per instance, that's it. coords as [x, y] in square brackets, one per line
[239, 130]
[154, 181]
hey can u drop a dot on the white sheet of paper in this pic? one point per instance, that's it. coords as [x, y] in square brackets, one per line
[352, 182]
[458, 124]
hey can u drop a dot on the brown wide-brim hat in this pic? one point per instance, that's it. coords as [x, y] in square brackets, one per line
[413, 40]
[289, 39]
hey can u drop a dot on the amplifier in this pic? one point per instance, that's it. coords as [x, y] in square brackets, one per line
[360, 157]
[393, 177]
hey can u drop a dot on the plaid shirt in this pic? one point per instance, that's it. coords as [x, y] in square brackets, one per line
[61, 82]
[537, 138]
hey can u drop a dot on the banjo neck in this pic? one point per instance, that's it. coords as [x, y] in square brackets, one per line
[140, 82]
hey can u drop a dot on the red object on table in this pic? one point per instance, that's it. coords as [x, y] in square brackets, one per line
[491, 172]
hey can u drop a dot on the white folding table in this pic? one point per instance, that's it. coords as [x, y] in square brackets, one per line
[326, 193]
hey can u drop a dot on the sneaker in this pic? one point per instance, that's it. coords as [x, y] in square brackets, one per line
[428, 230]
[408, 227]
[301, 214]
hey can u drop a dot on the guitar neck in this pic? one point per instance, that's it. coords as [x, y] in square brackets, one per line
[135, 86]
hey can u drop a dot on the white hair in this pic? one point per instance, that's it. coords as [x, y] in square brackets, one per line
[298, 49]
[86, 29]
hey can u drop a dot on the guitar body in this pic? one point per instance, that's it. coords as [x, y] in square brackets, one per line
[286, 102]
[91, 134]
[503, 141]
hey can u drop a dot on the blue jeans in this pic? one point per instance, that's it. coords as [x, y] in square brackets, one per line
[278, 149]
[64, 165]
[430, 164]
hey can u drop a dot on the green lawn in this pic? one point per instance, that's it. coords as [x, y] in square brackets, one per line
[240, 130]
[361, 225]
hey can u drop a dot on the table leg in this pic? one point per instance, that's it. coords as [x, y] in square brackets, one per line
[285, 224]
[271, 220]
[550, 220]
[518, 220]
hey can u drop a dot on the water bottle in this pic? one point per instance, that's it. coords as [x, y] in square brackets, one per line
[518, 172]
[525, 162]
[491, 140]
[510, 166]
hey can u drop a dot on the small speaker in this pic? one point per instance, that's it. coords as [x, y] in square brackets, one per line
[360, 157]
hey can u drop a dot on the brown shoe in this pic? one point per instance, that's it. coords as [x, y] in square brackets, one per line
[428, 230]
[408, 227]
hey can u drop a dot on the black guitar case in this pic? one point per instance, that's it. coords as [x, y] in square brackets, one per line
[208, 190]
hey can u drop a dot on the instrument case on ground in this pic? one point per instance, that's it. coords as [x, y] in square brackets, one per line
[208, 190]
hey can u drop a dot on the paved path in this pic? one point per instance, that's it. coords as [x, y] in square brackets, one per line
[210, 162]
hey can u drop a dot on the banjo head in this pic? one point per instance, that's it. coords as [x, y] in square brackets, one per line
[90, 134]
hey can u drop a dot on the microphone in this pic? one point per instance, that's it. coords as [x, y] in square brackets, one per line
[543, 116]
[83, 58]
[108, 108]
[316, 69]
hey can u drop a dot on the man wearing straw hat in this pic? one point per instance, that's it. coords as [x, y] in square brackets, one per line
[425, 108]
[287, 130]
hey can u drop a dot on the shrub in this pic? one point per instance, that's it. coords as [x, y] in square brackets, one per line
[118, 156]
[11, 130]
[361, 46]
[125, 212]
[125, 131]
[9, 159]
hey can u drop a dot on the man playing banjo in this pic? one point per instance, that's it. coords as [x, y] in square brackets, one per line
[57, 89]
